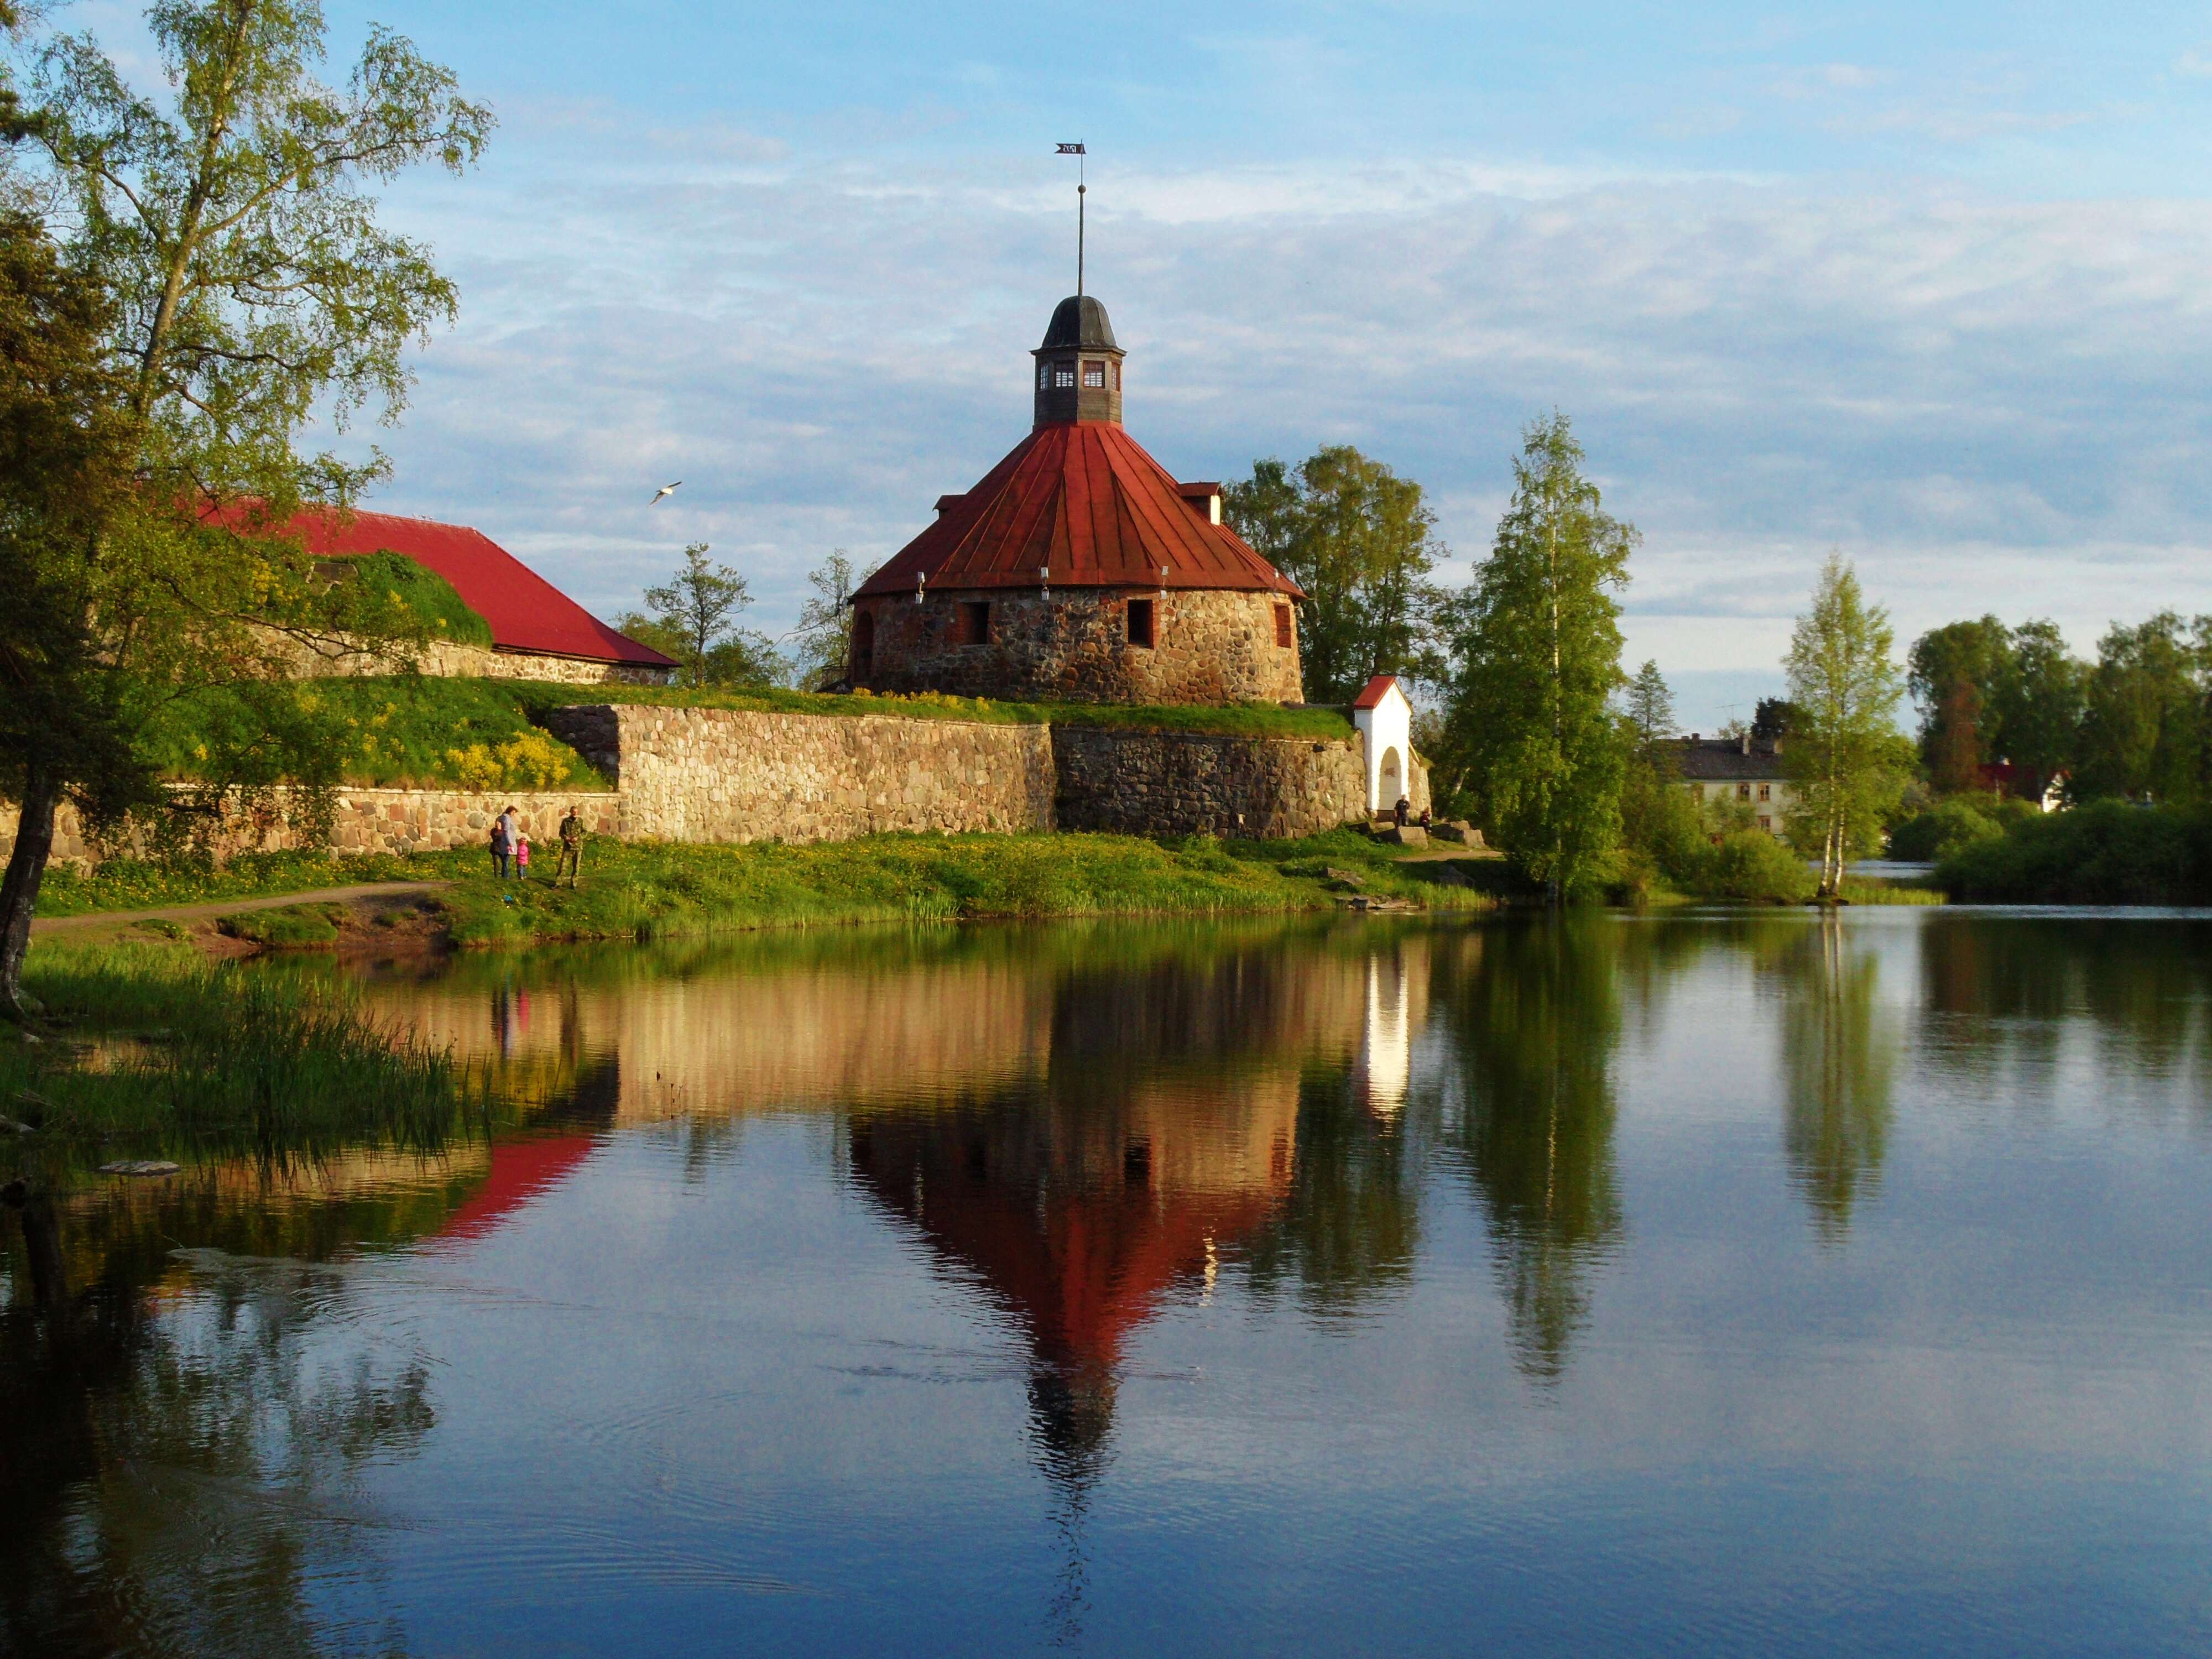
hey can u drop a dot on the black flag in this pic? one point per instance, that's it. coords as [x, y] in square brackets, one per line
[1071, 149]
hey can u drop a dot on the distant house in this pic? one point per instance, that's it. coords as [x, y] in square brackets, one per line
[1745, 770]
[2025, 783]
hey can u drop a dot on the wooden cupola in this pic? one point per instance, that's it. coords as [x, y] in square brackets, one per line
[1079, 367]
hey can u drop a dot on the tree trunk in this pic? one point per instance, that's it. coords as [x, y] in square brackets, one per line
[18, 888]
[42, 1243]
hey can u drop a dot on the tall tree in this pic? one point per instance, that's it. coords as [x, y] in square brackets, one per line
[2037, 707]
[1952, 748]
[1537, 643]
[1650, 706]
[694, 620]
[2144, 730]
[1358, 538]
[824, 633]
[248, 287]
[1849, 762]
[1955, 739]
[1773, 718]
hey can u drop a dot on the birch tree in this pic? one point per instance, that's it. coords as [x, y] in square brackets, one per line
[1849, 764]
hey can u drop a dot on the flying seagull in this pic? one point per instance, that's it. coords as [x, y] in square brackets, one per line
[665, 490]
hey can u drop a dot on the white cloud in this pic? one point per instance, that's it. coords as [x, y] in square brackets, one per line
[1988, 403]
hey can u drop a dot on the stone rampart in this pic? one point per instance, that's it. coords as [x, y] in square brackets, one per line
[721, 774]
[451, 659]
[1182, 783]
[729, 775]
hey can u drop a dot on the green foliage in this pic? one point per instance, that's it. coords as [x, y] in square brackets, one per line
[199, 1060]
[824, 633]
[425, 597]
[1357, 537]
[1950, 826]
[1537, 646]
[1662, 827]
[1751, 866]
[2145, 734]
[1847, 760]
[1989, 693]
[1650, 708]
[1774, 718]
[693, 619]
[402, 730]
[2107, 853]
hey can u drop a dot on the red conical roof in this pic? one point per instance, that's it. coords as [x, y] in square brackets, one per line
[1083, 498]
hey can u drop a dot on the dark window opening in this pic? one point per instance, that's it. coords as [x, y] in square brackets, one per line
[1136, 1163]
[1284, 635]
[1140, 622]
[1094, 376]
[1743, 792]
[1044, 376]
[863, 645]
[974, 621]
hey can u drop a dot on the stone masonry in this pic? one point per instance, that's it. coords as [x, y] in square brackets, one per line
[1210, 645]
[1182, 783]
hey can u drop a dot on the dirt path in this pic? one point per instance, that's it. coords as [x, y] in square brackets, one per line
[232, 907]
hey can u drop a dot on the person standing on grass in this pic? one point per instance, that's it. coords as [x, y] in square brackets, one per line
[572, 850]
[521, 855]
[502, 843]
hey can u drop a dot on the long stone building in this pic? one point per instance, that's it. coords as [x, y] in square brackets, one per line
[1079, 568]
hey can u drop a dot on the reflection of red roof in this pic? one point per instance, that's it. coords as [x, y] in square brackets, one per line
[525, 611]
[1083, 498]
[520, 1170]
[1371, 694]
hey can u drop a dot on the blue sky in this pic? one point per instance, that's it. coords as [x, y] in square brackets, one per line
[1928, 285]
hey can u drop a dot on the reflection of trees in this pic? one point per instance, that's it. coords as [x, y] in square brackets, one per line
[2009, 983]
[1348, 1228]
[175, 1475]
[1533, 1012]
[1840, 1062]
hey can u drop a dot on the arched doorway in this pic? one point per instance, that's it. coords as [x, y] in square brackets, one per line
[1392, 783]
[863, 645]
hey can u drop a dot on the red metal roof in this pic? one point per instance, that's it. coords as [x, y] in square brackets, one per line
[525, 611]
[1083, 498]
[1371, 694]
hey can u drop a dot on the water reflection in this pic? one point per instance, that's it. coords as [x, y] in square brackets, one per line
[1534, 1017]
[1841, 1049]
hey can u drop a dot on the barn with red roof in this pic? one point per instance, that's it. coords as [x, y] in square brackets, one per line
[1080, 568]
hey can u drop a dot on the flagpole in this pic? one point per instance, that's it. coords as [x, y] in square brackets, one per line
[1082, 190]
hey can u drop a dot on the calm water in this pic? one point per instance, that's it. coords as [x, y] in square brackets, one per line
[1703, 1285]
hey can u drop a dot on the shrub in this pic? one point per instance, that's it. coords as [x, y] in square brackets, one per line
[1950, 826]
[1751, 866]
[2107, 853]
[293, 928]
[421, 592]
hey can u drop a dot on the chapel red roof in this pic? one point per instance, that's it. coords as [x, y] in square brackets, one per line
[1371, 694]
[525, 611]
[1083, 498]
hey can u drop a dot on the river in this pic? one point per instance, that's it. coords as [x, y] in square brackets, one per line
[1704, 1283]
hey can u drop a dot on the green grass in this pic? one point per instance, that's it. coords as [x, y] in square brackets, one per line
[158, 1053]
[149, 884]
[1242, 719]
[291, 927]
[422, 592]
[651, 889]
[1875, 889]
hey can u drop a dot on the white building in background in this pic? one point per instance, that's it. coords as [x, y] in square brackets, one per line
[1385, 719]
[1746, 771]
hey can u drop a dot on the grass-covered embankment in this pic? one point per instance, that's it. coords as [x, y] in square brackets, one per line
[655, 888]
[1236, 720]
[153, 1052]
[126, 883]
[2106, 853]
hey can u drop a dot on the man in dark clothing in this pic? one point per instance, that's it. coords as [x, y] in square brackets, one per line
[1401, 810]
[502, 843]
[572, 850]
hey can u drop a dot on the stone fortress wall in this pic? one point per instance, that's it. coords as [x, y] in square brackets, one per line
[1209, 646]
[728, 775]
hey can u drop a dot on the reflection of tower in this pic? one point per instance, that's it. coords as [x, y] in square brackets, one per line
[1386, 1040]
[1077, 1215]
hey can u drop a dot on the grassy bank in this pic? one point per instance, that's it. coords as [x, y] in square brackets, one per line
[653, 889]
[1240, 719]
[151, 885]
[2106, 853]
[156, 1053]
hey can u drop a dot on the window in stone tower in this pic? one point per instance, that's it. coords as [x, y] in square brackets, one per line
[1284, 635]
[1044, 376]
[1140, 622]
[1117, 377]
[1094, 376]
[974, 621]
[1063, 375]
